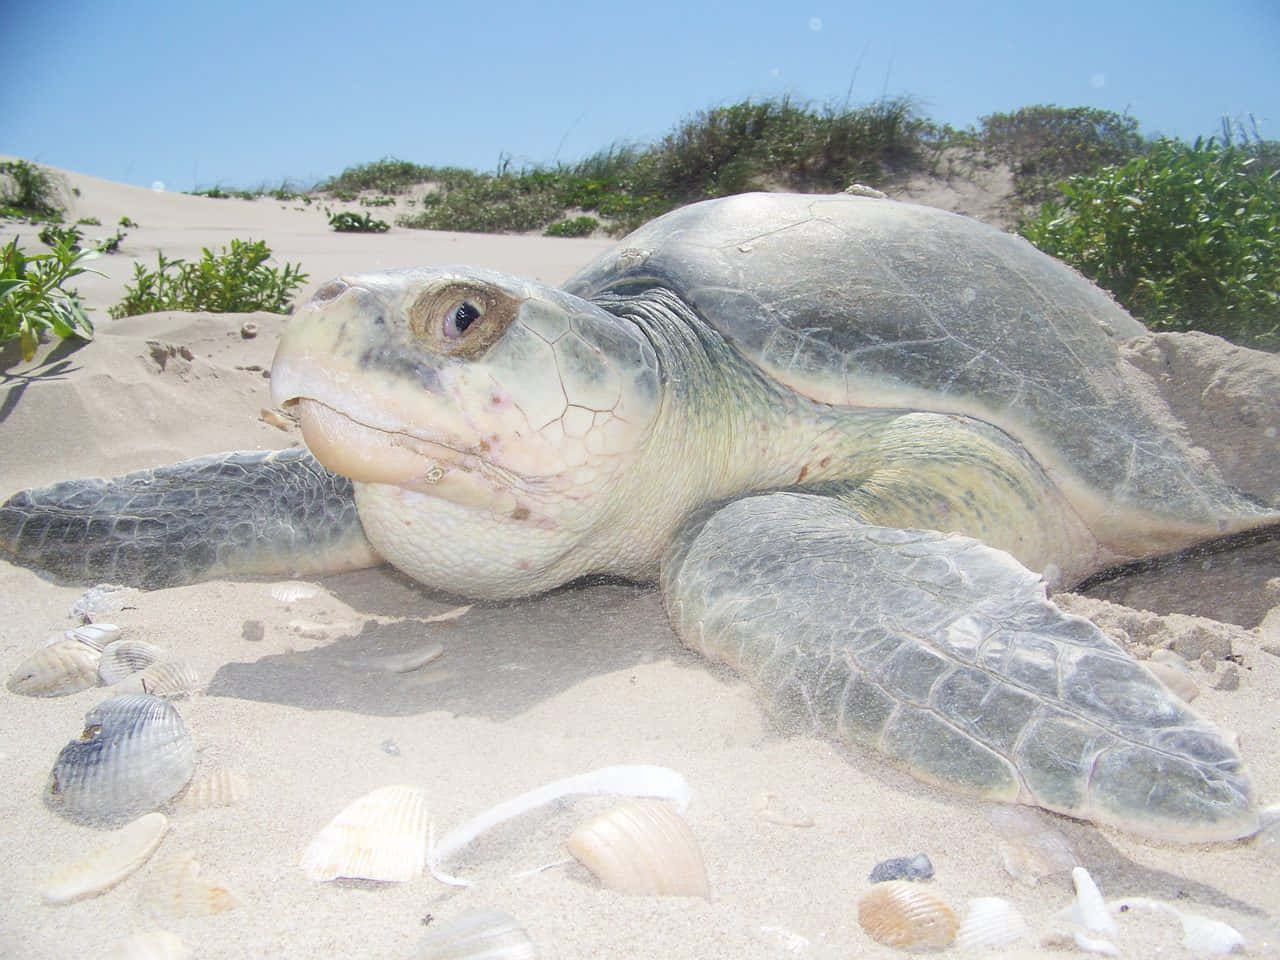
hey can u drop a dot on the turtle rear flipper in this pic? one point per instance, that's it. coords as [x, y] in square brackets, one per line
[945, 654]
[226, 515]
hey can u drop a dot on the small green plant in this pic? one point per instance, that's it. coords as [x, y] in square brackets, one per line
[28, 190]
[350, 222]
[88, 222]
[33, 297]
[110, 244]
[237, 280]
[52, 235]
[1187, 237]
[575, 227]
[377, 201]
[127, 223]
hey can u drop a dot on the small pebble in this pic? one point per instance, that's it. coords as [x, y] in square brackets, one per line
[253, 630]
[390, 749]
[249, 330]
[1208, 661]
[902, 868]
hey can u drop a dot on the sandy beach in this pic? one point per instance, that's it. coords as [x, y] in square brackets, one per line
[524, 693]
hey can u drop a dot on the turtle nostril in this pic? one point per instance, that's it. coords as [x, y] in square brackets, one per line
[330, 291]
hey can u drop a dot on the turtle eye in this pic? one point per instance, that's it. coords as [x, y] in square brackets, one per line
[459, 318]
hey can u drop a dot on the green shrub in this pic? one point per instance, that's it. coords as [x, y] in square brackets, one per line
[1187, 237]
[350, 222]
[387, 175]
[1045, 144]
[88, 222]
[575, 227]
[110, 244]
[52, 235]
[489, 204]
[28, 190]
[33, 298]
[127, 223]
[236, 281]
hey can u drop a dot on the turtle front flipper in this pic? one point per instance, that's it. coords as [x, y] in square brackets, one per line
[226, 515]
[946, 655]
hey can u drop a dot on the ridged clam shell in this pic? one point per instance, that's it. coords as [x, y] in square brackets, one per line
[64, 666]
[220, 787]
[479, 935]
[643, 847]
[133, 755]
[124, 852]
[177, 890]
[168, 678]
[991, 922]
[153, 945]
[124, 658]
[900, 913]
[380, 836]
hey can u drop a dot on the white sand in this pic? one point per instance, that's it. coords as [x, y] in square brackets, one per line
[525, 693]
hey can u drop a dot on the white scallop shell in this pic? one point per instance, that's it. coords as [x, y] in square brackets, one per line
[221, 787]
[479, 935]
[124, 852]
[153, 945]
[133, 755]
[176, 889]
[124, 658]
[95, 635]
[168, 678]
[991, 922]
[643, 847]
[380, 836]
[900, 913]
[63, 666]
[105, 599]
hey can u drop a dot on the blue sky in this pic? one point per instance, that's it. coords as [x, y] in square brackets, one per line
[240, 94]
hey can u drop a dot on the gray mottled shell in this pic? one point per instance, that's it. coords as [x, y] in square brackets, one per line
[875, 303]
[134, 754]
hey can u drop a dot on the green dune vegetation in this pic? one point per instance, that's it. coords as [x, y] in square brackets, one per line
[1184, 235]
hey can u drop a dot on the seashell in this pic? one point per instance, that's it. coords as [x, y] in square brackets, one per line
[1089, 909]
[221, 787]
[154, 945]
[644, 847]
[96, 636]
[105, 599]
[62, 667]
[294, 591]
[451, 614]
[177, 890]
[168, 678]
[478, 935]
[991, 922]
[381, 836]
[919, 867]
[124, 658]
[405, 662]
[124, 852]
[903, 914]
[1029, 847]
[771, 808]
[133, 755]
[1199, 934]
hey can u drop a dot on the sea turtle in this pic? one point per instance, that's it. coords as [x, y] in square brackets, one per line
[852, 438]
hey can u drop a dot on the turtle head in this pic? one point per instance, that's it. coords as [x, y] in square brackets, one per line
[485, 420]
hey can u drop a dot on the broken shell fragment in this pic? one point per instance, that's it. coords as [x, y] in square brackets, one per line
[124, 852]
[133, 755]
[642, 847]
[95, 635]
[1030, 848]
[899, 913]
[479, 935]
[293, 591]
[154, 945]
[124, 658]
[177, 890]
[221, 787]
[61, 667]
[991, 922]
[381, 836]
